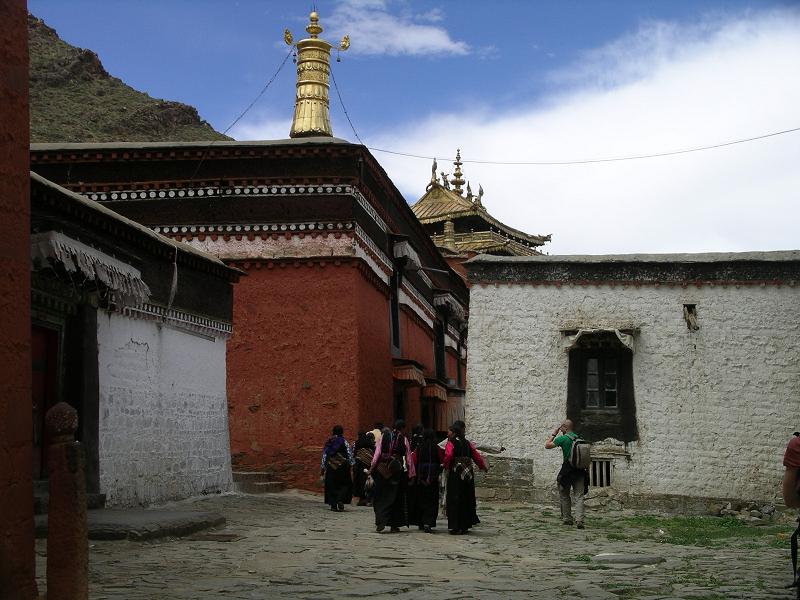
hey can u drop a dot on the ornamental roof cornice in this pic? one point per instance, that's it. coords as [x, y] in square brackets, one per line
[113, 223]
[298, 162]
[440, 204]
[703, 269]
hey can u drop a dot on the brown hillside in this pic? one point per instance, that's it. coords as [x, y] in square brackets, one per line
[74, 99]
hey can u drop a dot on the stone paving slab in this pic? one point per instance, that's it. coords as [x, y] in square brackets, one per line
[291, 546]
[140, 524]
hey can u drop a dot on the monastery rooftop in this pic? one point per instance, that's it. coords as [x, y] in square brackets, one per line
[208, 144]
[700, 257]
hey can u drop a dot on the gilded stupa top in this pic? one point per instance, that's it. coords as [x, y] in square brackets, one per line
[313, 57]
[465, 224]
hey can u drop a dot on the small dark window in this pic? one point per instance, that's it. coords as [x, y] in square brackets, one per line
[427, 409]
[438, 350]
[399, 404]
[394, 308]
[600, 473]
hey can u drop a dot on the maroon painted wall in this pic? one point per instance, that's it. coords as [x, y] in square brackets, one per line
[17, 578]
[374, 355]
[293, 367]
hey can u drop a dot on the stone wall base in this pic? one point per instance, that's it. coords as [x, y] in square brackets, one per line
[513, 479]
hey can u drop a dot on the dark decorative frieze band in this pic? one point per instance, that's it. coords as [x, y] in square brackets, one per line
[307, 226]
[216, 191]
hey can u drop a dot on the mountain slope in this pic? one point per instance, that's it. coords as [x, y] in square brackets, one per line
[74, 99]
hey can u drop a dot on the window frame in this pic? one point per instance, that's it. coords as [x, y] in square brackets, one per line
[602, 357]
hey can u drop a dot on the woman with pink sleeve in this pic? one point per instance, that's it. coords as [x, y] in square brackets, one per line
[392, 467]
[460, 458]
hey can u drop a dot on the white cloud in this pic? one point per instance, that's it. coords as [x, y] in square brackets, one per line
[375, 29]
[262, 128]
[666, 88]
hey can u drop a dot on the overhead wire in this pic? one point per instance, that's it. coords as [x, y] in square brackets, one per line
[595, 160]
[557, 162]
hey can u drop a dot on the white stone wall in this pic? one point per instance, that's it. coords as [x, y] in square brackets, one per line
[715, 407]
[163, 412]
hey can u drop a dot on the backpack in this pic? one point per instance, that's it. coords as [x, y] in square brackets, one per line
[580, 454]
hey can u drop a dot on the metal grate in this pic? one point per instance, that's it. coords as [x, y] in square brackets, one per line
[600, 473]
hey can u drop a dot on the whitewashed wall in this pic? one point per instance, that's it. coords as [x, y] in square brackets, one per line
[163, 412]
[715, 407]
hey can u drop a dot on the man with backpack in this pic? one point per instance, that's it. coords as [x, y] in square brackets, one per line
[573, 476]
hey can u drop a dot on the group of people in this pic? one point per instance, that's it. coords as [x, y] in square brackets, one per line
[400, 476]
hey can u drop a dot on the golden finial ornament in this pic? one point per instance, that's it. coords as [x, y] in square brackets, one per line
[311, 104]
[469, 192]
[313, 28]
[458, 177]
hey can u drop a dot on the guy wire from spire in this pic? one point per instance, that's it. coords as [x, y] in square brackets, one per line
[244, 112]
[344, 109]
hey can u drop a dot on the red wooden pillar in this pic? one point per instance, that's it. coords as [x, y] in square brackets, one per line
[17, 558]
[67, 537]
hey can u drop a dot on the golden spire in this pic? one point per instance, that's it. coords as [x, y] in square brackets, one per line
[458, 177]
[311, 116]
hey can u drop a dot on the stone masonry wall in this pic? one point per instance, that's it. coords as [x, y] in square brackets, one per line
[715, 407]
[163, 412]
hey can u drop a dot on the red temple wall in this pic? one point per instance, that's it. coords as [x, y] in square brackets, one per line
[17, 577]
[311, 349]
[293, 368]
[374, 357]
[416, 341]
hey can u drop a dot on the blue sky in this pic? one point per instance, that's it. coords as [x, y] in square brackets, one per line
[509, 80]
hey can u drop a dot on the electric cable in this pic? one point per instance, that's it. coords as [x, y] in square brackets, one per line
[594, 160]
[557, 162]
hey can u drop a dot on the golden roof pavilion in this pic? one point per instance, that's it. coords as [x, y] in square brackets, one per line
[459, 224]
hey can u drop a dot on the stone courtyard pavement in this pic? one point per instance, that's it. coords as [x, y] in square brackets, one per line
[291, 546]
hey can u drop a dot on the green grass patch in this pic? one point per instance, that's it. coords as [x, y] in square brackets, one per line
[579, 558]
[698, 531]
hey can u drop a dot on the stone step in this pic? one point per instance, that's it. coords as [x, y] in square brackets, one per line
[253, 476]
[259, 487]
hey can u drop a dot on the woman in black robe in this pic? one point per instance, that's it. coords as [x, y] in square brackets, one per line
[364, 450]
[427, 460]
[460, 458]
[412, 500]
[336, 461]
[389, 463]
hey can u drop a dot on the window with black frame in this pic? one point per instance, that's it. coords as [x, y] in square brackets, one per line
[600, 394]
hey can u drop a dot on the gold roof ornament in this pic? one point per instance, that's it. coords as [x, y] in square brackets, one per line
[458, 177]
[311, 104]
[460, 225]
[434, 179]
